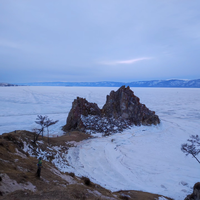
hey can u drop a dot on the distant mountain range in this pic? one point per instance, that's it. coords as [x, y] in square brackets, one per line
[7, 84]
[154, 83]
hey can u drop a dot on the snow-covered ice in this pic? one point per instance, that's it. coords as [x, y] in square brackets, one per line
[20, 106]
[146, 158]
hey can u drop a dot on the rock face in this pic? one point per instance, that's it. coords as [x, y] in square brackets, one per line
[123, 103]
[196, 193]
[121, 110]
[80, 107]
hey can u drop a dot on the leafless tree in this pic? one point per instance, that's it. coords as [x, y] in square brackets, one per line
[44, 122]
[193, 148]
[36, 133]
[41, 121]
[49, 122]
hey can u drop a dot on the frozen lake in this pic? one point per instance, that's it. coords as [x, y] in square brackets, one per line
[142, 158]
[20, 106]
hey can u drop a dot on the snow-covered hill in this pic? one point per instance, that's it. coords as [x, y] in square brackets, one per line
[167, 83]
[153, 83]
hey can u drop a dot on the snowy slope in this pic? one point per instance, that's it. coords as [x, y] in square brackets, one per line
[142, 158]
[147, 159]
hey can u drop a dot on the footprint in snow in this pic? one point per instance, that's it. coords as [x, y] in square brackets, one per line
[183, 183]
[162, 186]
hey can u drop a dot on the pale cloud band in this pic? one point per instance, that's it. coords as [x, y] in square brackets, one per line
[7, 43]
[132, 61]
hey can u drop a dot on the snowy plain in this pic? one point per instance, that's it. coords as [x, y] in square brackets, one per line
[146, 158]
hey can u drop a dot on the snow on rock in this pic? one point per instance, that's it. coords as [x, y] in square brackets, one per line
[8, 185]
[96, 124]
[55, 154]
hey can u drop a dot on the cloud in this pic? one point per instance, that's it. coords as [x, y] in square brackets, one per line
[132, 61]
[10, 44]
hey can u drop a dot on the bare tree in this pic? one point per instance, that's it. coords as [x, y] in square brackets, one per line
[193, 148]
[49, 122]
[44, 122]
[37, 132]
[41, 121]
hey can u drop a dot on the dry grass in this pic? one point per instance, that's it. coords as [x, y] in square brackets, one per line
[18, 179]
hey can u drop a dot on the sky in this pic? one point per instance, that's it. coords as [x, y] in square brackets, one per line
[101, 40]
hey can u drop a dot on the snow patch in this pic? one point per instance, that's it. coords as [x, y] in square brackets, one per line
[8, 185]
[40, 142]
[98, 194]
[161, 198]
[67, 178]
[20, 154]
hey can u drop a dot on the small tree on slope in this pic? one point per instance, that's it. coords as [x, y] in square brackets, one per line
[44, 122]
[48, 123]
[41, 121]
[193, 147]
[36, 132]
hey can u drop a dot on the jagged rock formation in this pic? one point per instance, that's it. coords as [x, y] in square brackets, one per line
[81, 107]
[123, 103]
[121, 110]
[196, 193]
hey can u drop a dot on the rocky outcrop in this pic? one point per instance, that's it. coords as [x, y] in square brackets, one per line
[123, 103]
[121, 110]
[81, 107]
[196, 193]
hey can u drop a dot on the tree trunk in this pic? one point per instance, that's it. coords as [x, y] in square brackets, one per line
[48, 134]
[196, 158]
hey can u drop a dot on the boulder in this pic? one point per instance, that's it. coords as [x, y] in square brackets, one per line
[121, 110]
[196, 193]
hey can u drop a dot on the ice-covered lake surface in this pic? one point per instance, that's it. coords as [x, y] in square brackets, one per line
[146, 158]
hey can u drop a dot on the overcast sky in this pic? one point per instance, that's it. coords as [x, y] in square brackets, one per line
[99, 40]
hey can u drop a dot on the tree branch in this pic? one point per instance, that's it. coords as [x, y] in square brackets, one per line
[196, 158]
